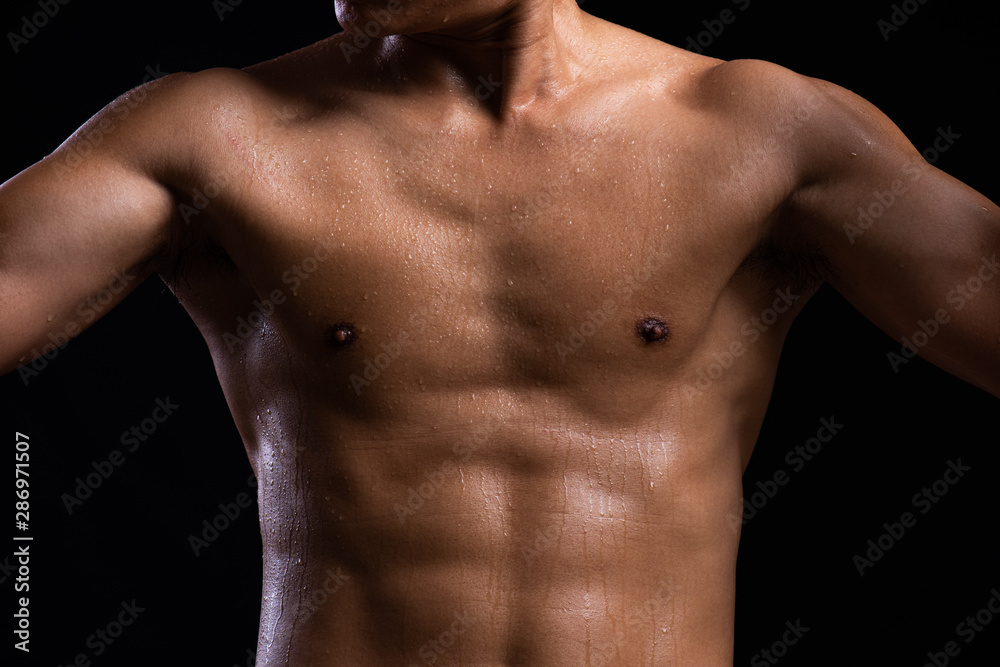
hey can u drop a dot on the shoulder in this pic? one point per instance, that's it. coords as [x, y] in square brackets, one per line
[174, 101]
[759, 93]
[312, 71]
[819, 125]
[165, 123]
[808, 141]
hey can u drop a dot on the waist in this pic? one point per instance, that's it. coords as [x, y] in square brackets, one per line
[500, 538]
[674, 610]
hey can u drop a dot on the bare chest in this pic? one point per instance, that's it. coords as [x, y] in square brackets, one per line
[449, 256]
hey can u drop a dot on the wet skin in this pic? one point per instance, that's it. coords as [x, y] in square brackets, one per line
[510, 349]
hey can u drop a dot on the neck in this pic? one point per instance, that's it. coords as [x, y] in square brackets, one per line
[509, 63]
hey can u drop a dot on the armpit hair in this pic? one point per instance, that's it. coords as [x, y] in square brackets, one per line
[187, 246]
[788, 259]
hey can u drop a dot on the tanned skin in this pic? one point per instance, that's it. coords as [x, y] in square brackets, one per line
[503, 243]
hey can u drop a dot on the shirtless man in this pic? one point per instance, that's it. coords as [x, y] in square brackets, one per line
[487, 267]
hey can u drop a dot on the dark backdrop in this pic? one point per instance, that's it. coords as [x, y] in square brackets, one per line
[129, 541]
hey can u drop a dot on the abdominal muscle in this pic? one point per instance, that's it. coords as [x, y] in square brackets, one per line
[495, 527]
[487, 499]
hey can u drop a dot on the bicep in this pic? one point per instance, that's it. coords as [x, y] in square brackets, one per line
[912, 248]
[73, 242]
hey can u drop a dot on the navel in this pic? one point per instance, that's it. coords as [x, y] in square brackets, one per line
[341, 335]
[652, 329]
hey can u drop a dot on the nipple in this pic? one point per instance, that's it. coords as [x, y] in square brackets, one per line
[652, 329]
[341, 335]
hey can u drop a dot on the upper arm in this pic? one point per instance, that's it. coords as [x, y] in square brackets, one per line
[67, 240]
[912, 248]
[84, 226]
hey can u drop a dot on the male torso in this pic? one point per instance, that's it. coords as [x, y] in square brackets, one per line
[498, 383]
[497, 309]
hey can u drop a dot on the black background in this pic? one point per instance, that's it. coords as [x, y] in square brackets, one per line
[130, 539]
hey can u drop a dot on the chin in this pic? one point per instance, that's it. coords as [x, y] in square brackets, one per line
[378, 16]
